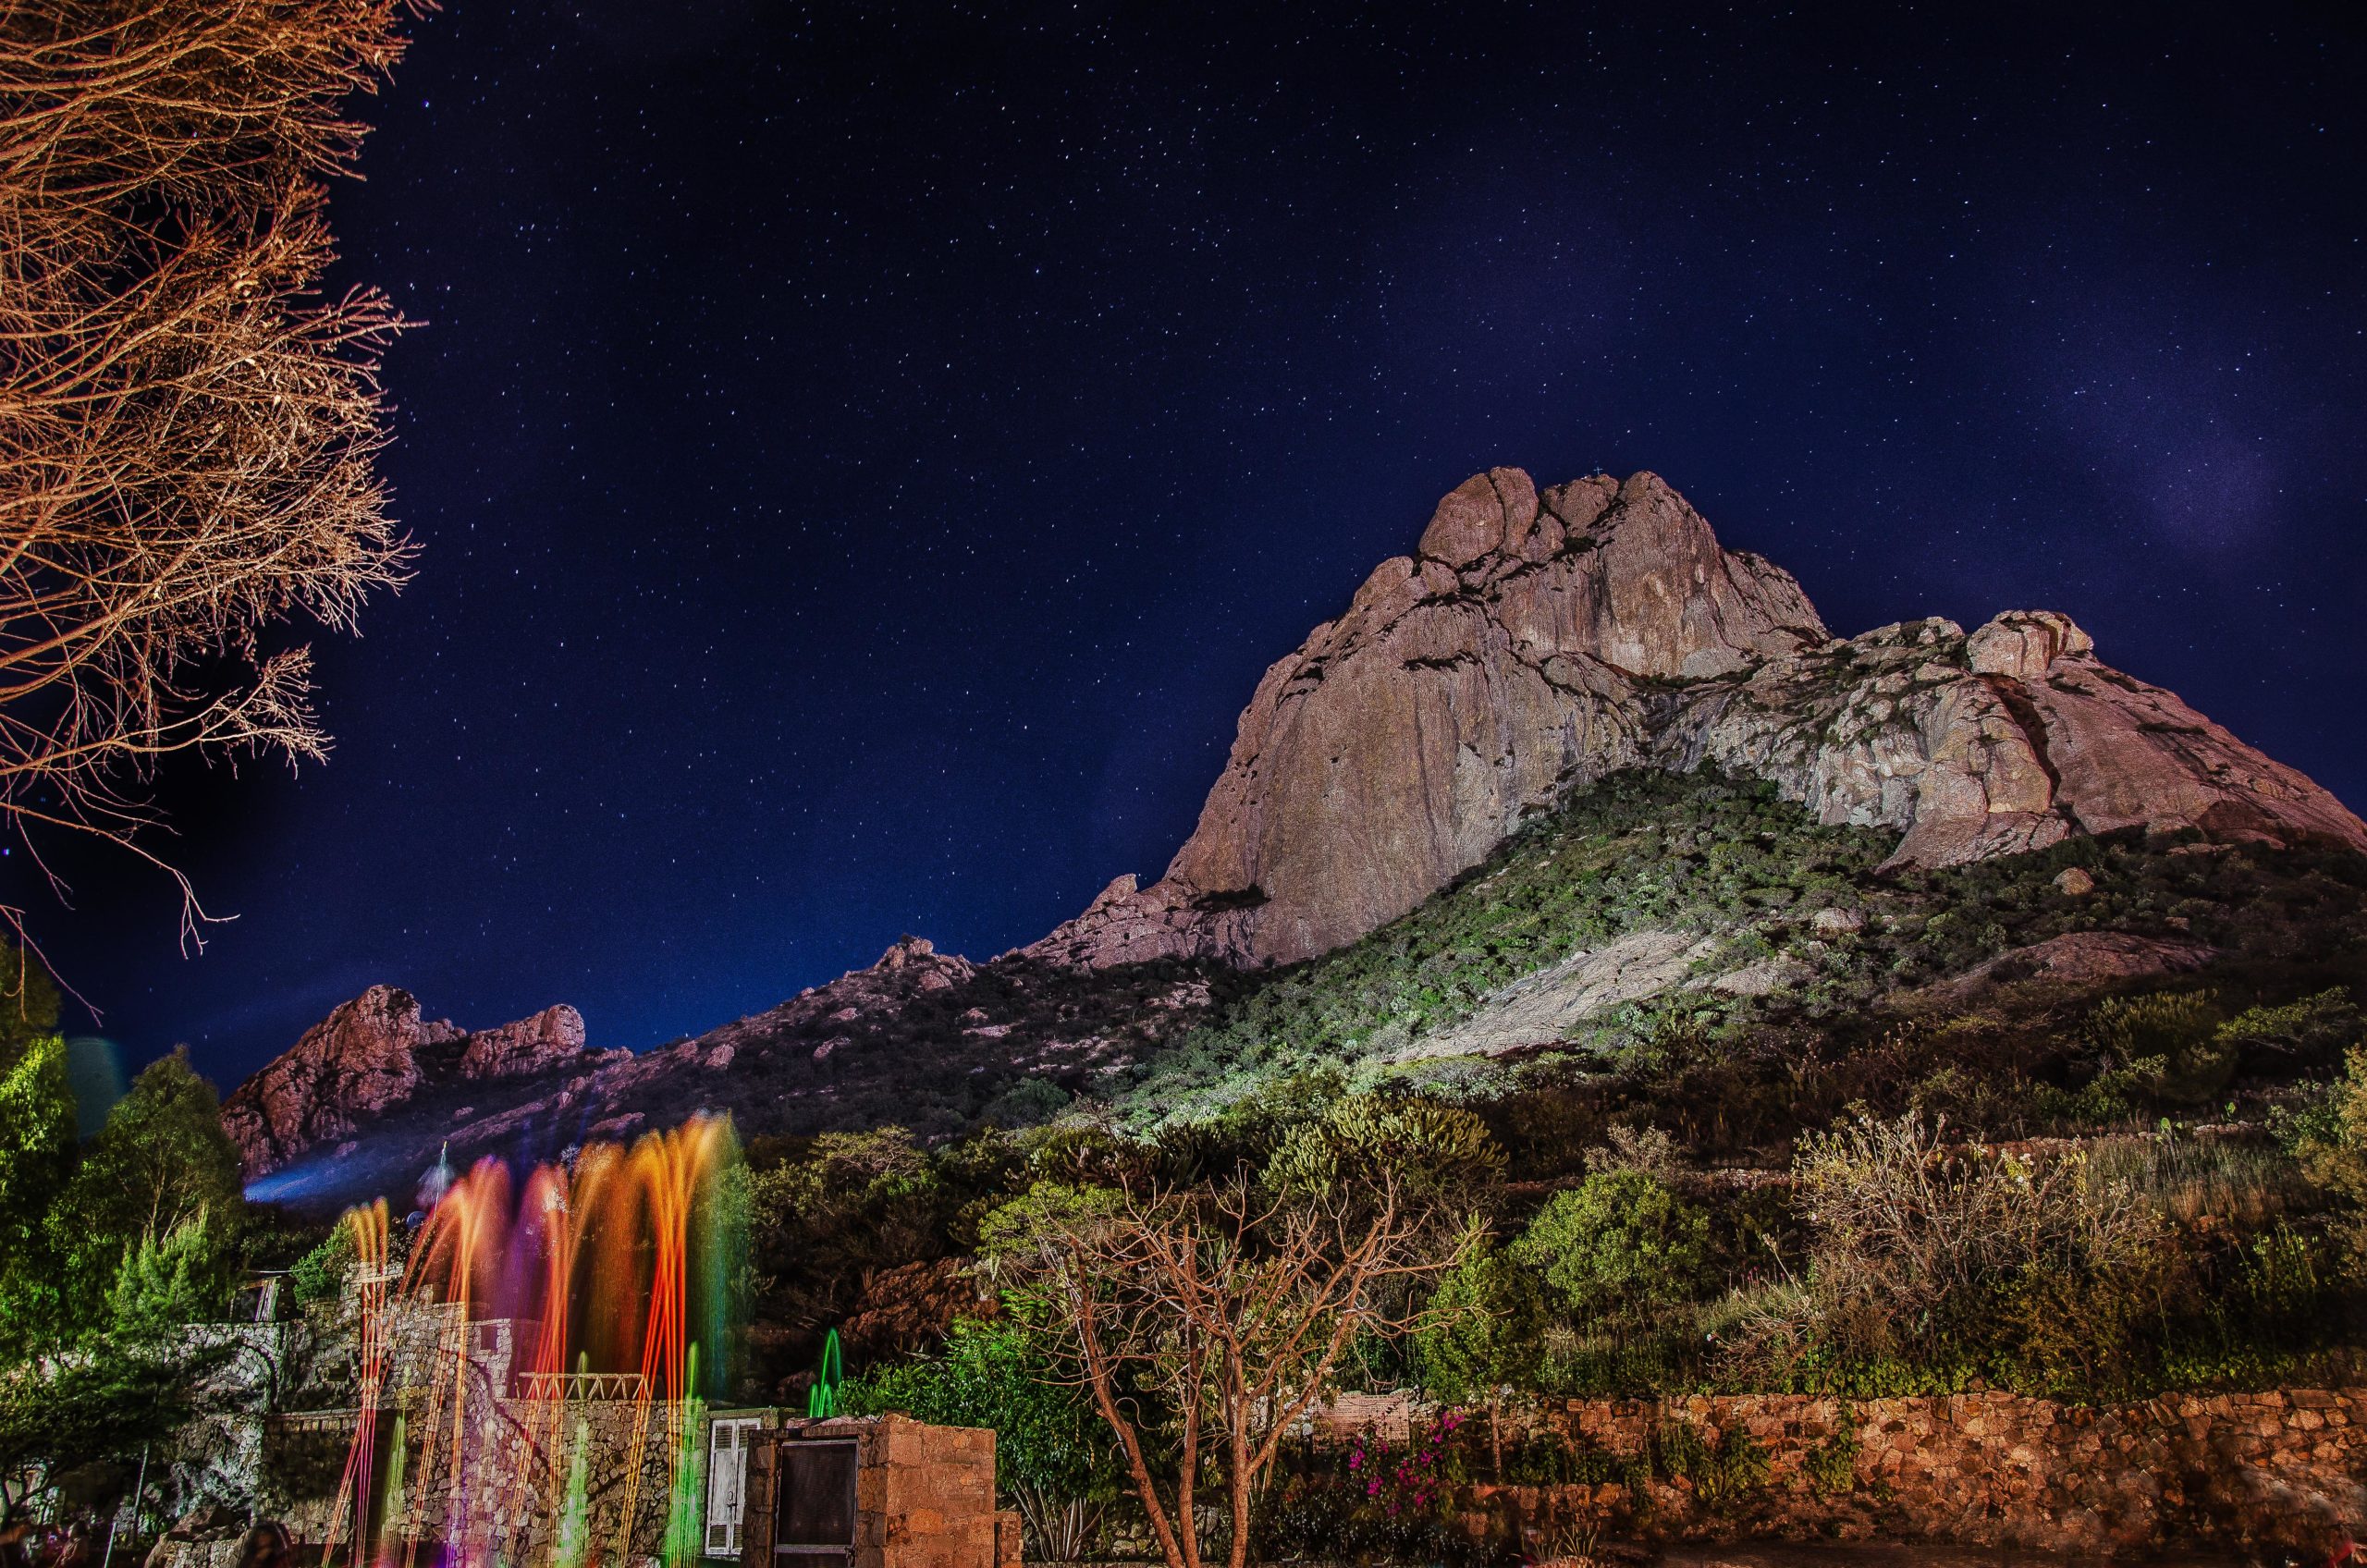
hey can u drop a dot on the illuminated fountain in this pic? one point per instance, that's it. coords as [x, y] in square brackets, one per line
[539, 1353]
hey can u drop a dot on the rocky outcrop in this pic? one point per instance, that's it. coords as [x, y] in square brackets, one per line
[553, 1037]
[1539, 639]
[2076, 959]
[374, 1055]
[362, 1059]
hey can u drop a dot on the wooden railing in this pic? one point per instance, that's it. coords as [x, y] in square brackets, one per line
[578, 1385]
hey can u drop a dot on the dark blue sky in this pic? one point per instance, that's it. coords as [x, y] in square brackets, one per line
[863, 457]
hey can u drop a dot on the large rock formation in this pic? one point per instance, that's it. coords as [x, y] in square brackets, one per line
[374, 1055]
[553, 1037]
[361, 1059]
[1534, 641]
[1538, 640]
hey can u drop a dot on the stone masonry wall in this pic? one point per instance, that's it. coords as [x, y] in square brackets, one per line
[2282, 1469]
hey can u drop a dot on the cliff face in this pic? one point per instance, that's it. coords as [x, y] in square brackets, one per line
[1540, 640]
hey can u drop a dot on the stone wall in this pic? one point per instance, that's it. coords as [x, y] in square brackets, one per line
[2284, 1469]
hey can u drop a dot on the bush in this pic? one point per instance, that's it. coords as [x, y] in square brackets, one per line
[1720, 1473]
[1433, 1149]
[2044, 1272]
[1481, 1330]
[1619, 1246]
[320, 1273]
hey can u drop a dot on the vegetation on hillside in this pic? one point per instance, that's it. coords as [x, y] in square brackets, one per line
[1911, 1161]
[1874, 1176]
[1729, 859]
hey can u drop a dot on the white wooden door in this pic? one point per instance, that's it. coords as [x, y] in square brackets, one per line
[726, 1471]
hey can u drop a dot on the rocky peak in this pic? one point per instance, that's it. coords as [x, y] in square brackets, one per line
[371, 1056]
[1539, 639]
[358, 1060]
[916, 961]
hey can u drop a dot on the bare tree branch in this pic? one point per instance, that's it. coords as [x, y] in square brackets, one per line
[188, 427]
[1192, 1310]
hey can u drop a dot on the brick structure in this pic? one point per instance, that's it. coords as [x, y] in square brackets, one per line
[924, 1497]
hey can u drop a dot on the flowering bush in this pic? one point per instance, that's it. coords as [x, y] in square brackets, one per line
[1377, 1500]
[1414, 1482]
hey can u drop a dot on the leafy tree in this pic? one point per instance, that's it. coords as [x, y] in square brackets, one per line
[165, 1282]
[60, 1413]
[1052, 1459]
[1618, 1244]
[1481, 1333]
[162, 1158]
[37, 1151]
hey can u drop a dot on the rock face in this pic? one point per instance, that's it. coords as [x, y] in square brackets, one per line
[373, 1054]
[553, 1037]
[362, 1059]
[1538, 640]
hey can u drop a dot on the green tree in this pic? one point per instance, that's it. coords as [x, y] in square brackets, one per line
[166, 1282]
[1617, 1245]
[58, 1412]
[161, 1160]
[1481, 1333]
[1052, 1458]
[37, 1151]
[157, 1195]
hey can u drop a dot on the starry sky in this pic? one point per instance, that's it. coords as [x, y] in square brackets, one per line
[864, 456]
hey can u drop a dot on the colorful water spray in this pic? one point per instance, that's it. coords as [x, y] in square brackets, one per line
[608, 1275]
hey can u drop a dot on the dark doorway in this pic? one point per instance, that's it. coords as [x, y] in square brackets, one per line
[815, 1518]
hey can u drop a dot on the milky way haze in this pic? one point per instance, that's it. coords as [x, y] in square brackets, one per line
[863, 463]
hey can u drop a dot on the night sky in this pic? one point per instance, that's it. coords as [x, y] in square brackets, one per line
[864, 458]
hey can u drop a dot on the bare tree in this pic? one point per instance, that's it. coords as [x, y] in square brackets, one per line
[188, 427]
[1215, 1318]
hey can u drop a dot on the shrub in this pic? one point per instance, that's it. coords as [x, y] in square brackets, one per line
[2165, 1049]
[1831, 1463]
[1433, 1149]
[1918, 1250]
[2305, 1033]
[2330, 1139]
[1618, 1246]
[320, 1273]
[1722, 1472]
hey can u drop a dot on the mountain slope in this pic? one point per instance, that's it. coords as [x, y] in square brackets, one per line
[1657, 916]
[1690, 809]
